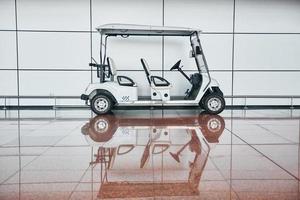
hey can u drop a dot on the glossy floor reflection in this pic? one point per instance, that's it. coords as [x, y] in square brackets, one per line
[150, 154]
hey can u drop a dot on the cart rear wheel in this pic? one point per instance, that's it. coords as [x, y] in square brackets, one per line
[101, 104]
[214, 103]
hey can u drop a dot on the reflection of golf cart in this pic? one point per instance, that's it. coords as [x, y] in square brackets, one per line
[116, 90]
[151, 157]
[102, 128]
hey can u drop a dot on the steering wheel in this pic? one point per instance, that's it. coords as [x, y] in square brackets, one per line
[176, 66]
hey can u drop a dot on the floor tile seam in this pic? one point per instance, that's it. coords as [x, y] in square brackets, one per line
[19, 170]
[41, 183]
[273, 133]
[79, 182]
[26, 134]
[265, 156]
[17, 155]
[43, 119]
[40, 146]
[92, 182]
[70, 132]
[223, 176]
[52, 170]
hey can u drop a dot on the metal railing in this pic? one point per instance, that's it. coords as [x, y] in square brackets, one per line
[37, 97]
[55, 98]
[245, 97]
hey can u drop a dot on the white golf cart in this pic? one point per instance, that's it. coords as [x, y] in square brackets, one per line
[116, 90]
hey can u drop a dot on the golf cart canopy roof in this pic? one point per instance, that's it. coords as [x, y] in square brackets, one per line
[134, 29]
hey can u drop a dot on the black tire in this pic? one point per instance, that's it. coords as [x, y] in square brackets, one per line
[214, 103]
[201, 103]
[101, 104]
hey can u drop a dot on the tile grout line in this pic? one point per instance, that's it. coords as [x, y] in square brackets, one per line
[91, 40]
[91, 182]
[20, 170]
[5, 145]
[95, 32]
[275, 134]
[68, 69]
[232, 92]
[59, 146]
[20, 167]
[224, 178]
[250, 145]
[163, 41]
[79, 182]
[18, 99]
[299, 160]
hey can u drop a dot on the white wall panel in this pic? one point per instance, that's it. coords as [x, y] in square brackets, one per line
[127, 52]
[8, 82]
[266, 83]
[54, 50]
[53, 15]
[217, 50]
[8, 58]
[7, 15]
[131, 11]
[268, 16]
[53, 83]
[267, 52]
[214, 15]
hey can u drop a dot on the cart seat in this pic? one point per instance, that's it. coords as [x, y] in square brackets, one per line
[122, 80]
[112, 66]
[156, 80]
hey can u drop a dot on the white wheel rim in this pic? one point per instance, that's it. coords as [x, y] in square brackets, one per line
[101, 126]
[101, 104]
[214, 104]
[214, 125]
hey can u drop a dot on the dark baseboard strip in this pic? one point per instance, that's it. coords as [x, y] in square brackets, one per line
[234, 107]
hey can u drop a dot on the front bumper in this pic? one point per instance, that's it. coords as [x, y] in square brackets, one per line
[84, 97]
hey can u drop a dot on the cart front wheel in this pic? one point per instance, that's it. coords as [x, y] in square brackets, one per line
[101, 104]
[214, 103]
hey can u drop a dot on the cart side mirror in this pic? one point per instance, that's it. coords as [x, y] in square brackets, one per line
[198, 52]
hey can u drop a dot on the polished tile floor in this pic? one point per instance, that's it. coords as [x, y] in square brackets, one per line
[150, 154]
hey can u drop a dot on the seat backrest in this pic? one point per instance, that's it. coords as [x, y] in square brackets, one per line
[112, 66]
[146, 69]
